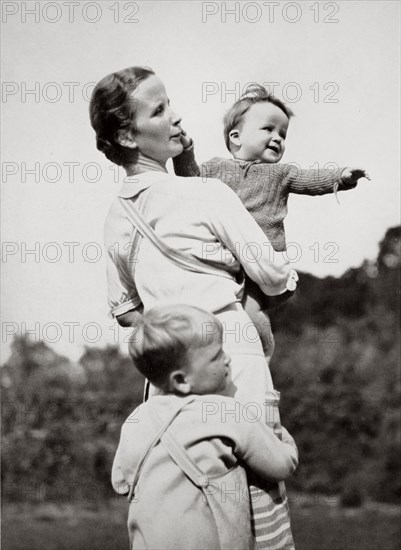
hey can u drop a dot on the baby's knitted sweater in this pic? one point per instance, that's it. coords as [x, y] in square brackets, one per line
[264, 188]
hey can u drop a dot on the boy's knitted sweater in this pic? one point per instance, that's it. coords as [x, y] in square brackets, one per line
[264, 188]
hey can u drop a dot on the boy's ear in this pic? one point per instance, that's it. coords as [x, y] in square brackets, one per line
[125, 138]
[234, 136]
[178, 382]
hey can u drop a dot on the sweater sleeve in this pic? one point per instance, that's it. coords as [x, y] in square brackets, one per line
[185, 164]
[313, 182]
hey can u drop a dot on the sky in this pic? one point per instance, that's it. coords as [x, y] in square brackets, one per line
[336, 64]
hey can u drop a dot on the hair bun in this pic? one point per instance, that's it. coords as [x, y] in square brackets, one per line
[111, 109]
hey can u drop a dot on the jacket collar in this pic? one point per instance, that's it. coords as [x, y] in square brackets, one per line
[133, 185]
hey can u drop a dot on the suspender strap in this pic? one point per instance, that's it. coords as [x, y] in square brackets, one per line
[191, 263]
[188, 466]
[181, 457]
[153, 443]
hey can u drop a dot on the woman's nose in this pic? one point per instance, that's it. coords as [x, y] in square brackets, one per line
[227, 359]
[175, 118]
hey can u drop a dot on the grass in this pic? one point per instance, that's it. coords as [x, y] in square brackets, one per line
[323, 527]
[64, 527]
[317, 525]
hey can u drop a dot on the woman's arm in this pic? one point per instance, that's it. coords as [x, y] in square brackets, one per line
[235, 228]
[123, 298]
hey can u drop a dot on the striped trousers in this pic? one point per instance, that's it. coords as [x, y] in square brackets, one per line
[254, 386]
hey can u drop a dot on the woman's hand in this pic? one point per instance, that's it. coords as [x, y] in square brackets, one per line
[273, 302]
[130, 318]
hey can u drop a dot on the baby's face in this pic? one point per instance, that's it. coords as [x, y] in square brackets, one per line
[262, 133]
[208, 368]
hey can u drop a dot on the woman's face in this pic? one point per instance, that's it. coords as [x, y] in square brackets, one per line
[157, 125]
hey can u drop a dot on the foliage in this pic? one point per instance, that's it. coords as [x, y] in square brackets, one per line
[61, 421]
[336, 364]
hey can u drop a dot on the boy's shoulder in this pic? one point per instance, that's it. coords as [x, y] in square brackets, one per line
[231, 164]
[209, 406]
[166, 404]
[202, 408]
[216, 409]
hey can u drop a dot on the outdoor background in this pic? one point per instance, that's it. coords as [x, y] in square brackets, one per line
[67, 383]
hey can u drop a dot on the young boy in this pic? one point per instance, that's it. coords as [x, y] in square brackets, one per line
[181, 453]
[255, 130]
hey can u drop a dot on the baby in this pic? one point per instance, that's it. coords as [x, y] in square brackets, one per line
[255, 131]
[182, 453]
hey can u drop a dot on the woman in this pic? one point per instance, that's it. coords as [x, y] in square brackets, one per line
[137, 129]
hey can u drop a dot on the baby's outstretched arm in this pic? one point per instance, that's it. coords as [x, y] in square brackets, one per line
[317, 181]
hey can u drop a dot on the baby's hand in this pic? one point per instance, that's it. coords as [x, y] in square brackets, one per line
[186, 141]
[350, 176]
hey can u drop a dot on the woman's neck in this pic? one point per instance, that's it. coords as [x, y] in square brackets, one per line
[144, 164]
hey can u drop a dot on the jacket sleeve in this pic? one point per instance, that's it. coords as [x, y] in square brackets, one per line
[238, 231]
[122, 293]
[263, 452]
[118, 481]
[123, 470]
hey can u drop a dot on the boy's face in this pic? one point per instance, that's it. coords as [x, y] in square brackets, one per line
[208, 369]
[262, 133]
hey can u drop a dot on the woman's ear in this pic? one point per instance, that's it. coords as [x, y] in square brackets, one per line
[125, 138]
[235, 137]
[178, 382]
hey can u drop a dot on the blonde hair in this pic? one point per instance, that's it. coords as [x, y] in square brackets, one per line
[255, 93]
[166, 334]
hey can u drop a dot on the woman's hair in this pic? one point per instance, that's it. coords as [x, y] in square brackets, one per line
[165, 336]
[112, 108]
[255, 93]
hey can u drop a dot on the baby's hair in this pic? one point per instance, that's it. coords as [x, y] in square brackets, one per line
[165, 336]
[112, 108]
[255, 93]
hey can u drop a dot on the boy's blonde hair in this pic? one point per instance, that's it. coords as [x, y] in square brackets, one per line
[255, 93]
[165, 336]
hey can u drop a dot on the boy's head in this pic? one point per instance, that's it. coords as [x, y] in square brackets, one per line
[179, 350]
[255, 127]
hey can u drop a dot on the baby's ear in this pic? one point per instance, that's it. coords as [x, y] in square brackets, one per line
[125, 138]
[178, 383]
[234, 136]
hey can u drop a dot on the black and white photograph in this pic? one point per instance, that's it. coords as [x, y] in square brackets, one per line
[200, 265]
